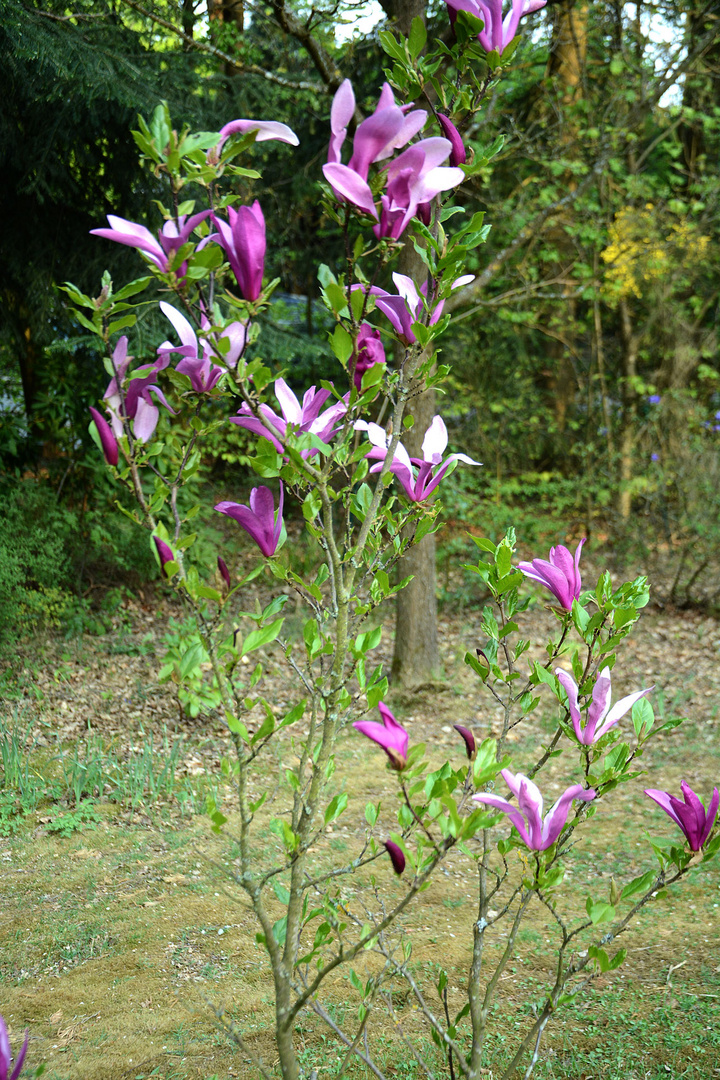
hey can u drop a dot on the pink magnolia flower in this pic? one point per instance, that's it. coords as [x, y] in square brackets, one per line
[6, 1057]
[397, 856]
[197, 365]
[242, 238]
[107, 439]
[536, 833]
[497, 32]
[390, 735]
[430, 468]
[386, 130]
[407, 305]
[300, 418]
[561, 574]
[415, 177]
[260, 520]
[171, 237]
[600, 717]
[689, 814]
[369, 352]
[137, 397]
[165, 552]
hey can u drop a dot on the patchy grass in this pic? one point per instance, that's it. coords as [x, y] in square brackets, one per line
[117, 934]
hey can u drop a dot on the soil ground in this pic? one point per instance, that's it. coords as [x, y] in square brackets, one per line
[120, 932]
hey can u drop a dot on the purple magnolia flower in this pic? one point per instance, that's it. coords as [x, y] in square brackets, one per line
[458, 154]
[561, 574]
[600, 717]
[535, 833]
[397, 857]
[300, 418]
[171, 237]
[390, 735]
[224, 572]
[107, 439]
[6, 1054]
[689, 814]
[369, 352]
[137, 398]
[430, 468]
[203, 374]
[260, 520]
[243, 241]
[166, 555]
[407, 305]
[415, 177]
[497, 32]
[469, 740]
[375, 139]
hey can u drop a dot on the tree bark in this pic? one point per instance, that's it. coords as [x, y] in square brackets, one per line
[631, 345]
[417, 656]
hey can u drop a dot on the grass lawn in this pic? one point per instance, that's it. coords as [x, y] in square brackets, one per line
[121, 926]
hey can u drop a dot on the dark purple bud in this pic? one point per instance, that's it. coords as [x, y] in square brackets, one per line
[424, 212]
[224, 572]
[165, 552]
[107, 439]
[396, 856]
[469, 738]
[458, 154]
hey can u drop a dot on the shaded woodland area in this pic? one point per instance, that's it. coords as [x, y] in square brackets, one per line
[584, 356]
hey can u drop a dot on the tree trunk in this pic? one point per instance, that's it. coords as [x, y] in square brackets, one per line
[417, 657]
[631, 344]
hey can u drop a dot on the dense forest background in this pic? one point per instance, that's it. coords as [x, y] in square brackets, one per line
[584, 357]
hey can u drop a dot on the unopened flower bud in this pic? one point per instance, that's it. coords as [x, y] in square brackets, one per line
[224, 572]
[396, 856]
[165, 552]
[458, 154]
[470, 747]
[107, 439]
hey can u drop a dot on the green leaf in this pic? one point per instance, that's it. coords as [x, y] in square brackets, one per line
[599, 912]
[342, 344]
[639, 885]
[257, 638]
[417, 38]
[643, 716]
[336, 806]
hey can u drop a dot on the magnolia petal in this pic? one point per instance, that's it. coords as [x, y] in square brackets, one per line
[512, 812]
[372, 137]
[557, 816]
[620, 708]
[265, 129]
[348, 185]
[435, 441]
[146, 418]
[184, 330]
[710, 816]
[288, 402]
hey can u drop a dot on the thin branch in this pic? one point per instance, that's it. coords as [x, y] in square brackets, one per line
[212, 50]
